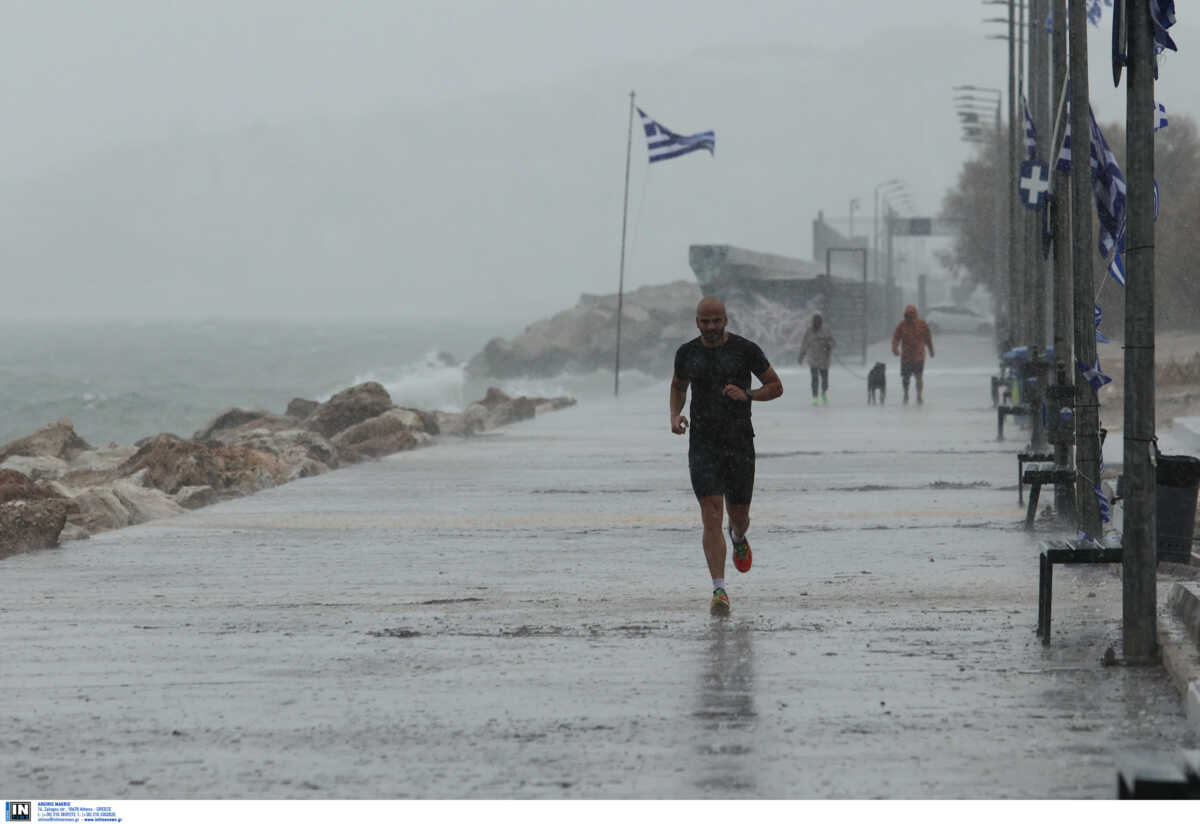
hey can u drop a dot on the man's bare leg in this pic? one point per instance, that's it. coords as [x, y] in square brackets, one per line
[739, 518]
[920, 388]
[712, 513]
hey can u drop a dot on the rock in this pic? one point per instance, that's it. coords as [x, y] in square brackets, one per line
[104, 459]
[348, 407]
[394, 431]
[144, 504]
[583, 338]
[14, 486]
[544, 405]
[194, 497]
[98, 509]
[511, 411]
[56, 440]
[73, 532]
[37, 467]
[230, 419]
[27, 525]
[457, 423]
[301, 408]
[231, 470]
[293, 447]
[493, 398]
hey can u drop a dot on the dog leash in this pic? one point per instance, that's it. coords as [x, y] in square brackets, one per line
[847, 368]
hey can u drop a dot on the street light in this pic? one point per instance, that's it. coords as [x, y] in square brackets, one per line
[853, 207]
[884, 186]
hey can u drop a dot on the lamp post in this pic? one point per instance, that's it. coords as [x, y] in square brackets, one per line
[975, 101]
[882, 187]
[853, 207]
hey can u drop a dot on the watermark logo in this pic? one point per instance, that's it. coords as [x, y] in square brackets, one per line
[18, 811]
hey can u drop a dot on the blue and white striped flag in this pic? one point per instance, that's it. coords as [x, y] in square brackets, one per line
[1094, 11]
[1100, 335]
[1093, 375]
[664, 144]
[1116, 269]
[1030, 131]
[1108, 185]
[1160, 117]
[1104, 504]
[1162, 15]
[1063, 162]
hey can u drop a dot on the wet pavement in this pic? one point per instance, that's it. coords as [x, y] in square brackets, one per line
[525, 615]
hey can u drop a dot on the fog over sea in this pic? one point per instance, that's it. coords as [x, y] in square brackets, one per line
[120, 381]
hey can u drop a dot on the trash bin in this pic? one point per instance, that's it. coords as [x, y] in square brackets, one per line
[1177, 478]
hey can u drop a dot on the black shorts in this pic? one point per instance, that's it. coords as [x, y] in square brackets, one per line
[909, 368]
[724, 469]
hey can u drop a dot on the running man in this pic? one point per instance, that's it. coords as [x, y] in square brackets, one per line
[717, 365]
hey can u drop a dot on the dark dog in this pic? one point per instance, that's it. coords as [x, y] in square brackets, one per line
[877, 382]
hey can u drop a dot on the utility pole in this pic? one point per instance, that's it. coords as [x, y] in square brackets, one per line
[1087, 412]
[1040, 109]
[1015, 313]
[1060, 221]
[1139, 541]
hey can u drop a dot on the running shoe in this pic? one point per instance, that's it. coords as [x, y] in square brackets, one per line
[720, 603]
[742, 557]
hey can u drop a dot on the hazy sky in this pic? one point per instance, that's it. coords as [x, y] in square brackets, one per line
[813, 103]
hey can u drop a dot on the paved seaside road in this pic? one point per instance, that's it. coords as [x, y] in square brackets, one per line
[524, 614]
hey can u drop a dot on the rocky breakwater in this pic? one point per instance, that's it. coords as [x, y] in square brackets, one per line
[654, 321]
[54, 486]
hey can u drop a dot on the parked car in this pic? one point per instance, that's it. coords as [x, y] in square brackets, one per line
[951, 318]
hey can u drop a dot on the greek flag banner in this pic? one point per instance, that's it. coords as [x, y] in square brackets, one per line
[1108, 185]
[1116, 269]
[1105, 505]
[1093, 375]
[1094, 11]
[1162, 16]
[1160, 117]
[1030, 131]
[1100, 335]
[665, 144]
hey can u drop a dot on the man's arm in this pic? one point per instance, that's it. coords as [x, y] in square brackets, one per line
[929, 340]
[679, 388]
[771, 388]
[896, 341]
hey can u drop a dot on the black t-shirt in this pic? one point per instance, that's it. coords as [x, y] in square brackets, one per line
[714, 417]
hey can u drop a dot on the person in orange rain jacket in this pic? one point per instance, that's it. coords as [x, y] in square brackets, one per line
[909, 342]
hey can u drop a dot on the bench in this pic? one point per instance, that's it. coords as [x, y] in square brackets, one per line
[1001, 411]
[1037, 474]
[1024, 458]
[1159, 775]
[1066, 552]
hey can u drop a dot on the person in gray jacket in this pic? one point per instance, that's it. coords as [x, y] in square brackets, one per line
[818, 345]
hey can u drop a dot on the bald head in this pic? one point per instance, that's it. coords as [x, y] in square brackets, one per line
[711, 320]
[710, 306]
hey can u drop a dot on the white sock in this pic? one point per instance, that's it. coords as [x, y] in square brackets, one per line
[735, 535]
[718, 583]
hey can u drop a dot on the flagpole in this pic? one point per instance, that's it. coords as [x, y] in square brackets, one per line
[624, 225]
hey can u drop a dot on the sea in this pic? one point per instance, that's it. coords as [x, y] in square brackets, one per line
[119, 381]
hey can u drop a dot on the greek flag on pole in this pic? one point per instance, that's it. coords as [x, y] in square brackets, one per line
[1116, 269]
[1162, 15]
[665, 144]
[1160, 117]
[1093, 375]
[1100, 335]
[1105, 505]
[1063, 162]
[1094, 11]
[1108, 185]
[1030, 131]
